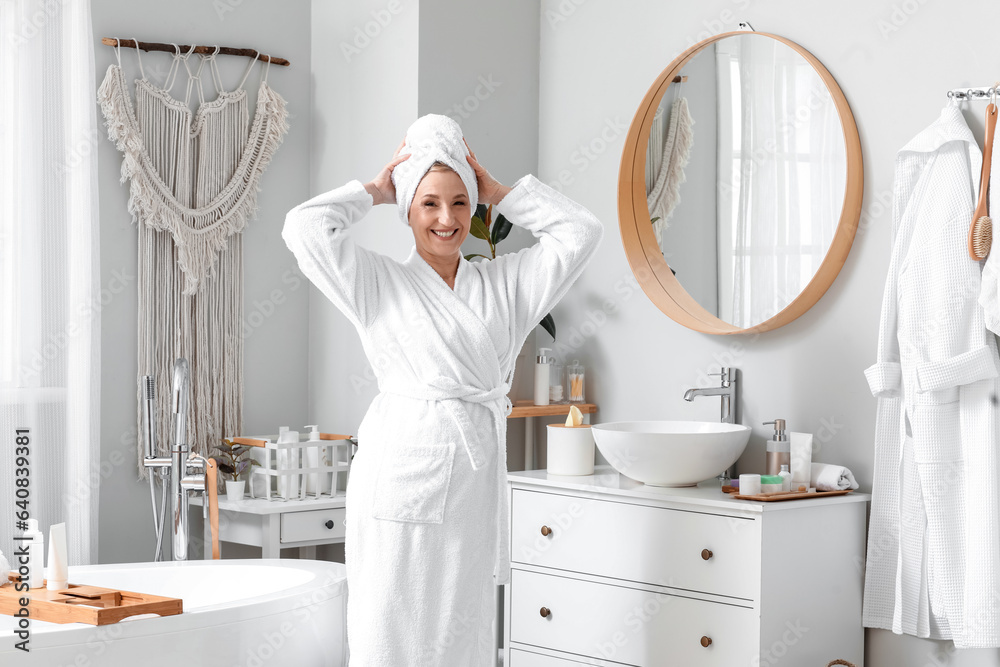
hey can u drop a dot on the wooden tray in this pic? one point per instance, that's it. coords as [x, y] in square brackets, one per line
[86, 604]
[791, 495]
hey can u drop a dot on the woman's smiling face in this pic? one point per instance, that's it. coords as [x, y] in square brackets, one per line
[440, 215]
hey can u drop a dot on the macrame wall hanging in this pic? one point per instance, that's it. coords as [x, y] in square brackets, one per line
[666, 158]
[194, 178]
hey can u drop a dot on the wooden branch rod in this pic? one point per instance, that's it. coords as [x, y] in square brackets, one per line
[224, 50]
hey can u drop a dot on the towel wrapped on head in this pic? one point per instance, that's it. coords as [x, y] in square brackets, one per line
[432, 138]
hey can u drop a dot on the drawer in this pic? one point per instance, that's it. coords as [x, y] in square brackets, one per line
[627, 625]
[528, 659]
[686, 550]
[312, 525]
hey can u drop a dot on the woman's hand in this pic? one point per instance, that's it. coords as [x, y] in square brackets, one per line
[381, 188]
[491, 191]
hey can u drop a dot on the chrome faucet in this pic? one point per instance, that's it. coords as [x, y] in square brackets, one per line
[727, 391]
[727, 415]
[187, 471]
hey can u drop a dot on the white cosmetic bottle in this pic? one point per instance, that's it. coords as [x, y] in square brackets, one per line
[4, 569]
[288, 459]
[801, 452]
[36, 554]
[58, 572]
[316, 456]
[542, 362]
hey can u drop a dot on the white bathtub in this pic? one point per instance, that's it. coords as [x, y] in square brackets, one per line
[245, 613]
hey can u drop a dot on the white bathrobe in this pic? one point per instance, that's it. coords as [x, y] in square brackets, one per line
[933, 564]
[426, 502]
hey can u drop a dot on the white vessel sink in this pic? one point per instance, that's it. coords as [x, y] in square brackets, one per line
[671, 453]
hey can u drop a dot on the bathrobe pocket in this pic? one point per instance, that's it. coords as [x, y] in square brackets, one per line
[412, 483]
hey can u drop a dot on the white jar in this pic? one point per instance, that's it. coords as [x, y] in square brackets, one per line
[570, 450]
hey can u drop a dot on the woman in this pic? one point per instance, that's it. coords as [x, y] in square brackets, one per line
[426, 501]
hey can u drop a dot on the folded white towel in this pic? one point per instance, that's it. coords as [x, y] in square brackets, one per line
[432, 138]
[829, 477]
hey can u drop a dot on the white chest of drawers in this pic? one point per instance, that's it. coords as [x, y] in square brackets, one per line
[606, 571]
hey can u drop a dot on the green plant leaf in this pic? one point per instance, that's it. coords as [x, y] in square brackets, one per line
[654, 219]
[469, 257]
[224, 447]
[549, 325]
[479, 229]
[501, 228]
[482, 212]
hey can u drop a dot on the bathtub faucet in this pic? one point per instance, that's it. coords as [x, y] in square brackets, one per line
[186, 471]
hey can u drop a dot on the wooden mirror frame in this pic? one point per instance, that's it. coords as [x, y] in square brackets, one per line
[645, 256]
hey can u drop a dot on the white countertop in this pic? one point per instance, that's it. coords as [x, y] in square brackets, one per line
[606, 480]
[264, 506]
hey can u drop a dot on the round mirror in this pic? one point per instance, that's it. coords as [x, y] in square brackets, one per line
[740, 184]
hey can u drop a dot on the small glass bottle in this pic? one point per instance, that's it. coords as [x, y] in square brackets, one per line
[786, 477]
[574, 382]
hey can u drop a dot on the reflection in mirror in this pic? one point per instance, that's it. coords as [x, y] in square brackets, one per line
[746, 172]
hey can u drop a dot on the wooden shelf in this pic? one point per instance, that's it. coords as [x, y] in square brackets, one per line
[528, 409]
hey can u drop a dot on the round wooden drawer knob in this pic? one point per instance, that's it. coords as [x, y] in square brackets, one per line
[706, 641]
[705, 555]
[544, 611]
[329, 524]
[546, 531]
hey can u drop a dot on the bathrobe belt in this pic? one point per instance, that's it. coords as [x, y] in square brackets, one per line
[451, 394]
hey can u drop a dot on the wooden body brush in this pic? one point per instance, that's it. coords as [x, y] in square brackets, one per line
[981, 230]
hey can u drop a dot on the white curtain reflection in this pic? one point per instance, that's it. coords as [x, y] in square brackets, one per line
[782, 173]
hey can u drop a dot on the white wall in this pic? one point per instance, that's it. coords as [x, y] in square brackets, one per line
[275, 350]
[479, 65]
[894, 61]
[377, 66]
[364, 95]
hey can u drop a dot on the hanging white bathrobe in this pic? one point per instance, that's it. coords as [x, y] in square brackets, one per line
[933, 564]
[426, 501]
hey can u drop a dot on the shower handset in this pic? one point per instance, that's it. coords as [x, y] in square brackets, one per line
[148, 384]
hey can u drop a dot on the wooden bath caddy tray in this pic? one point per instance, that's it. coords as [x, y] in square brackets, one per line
[791, 495]
[86, 604]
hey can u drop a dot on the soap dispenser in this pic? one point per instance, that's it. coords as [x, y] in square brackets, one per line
[779, 450]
